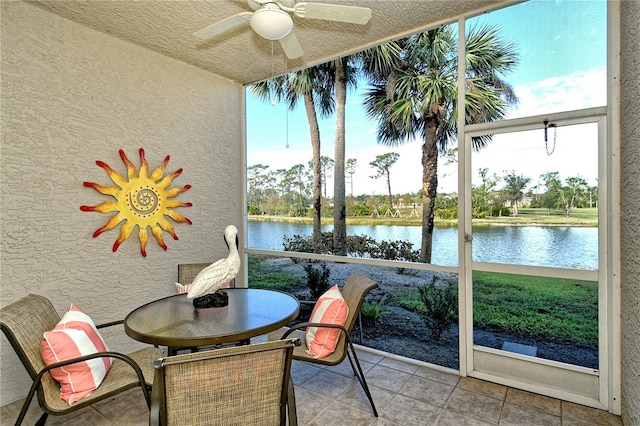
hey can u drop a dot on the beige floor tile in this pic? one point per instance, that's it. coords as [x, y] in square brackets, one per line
[303, 371]
[384, 422]
[437, 375]
[328, 384]
[574, 414]
[128, 408]
[83, 416]
[485, 388]
[309, 404]
[408, 411]
[345, 369]
[399, 365]
[517, 415]
[332, 397]
[475, 405]
[539, 402]
[355, 397]
[369, 356]
[337, 413]
[450, 418]
[387, 378]
[435, 393]
[10, 413]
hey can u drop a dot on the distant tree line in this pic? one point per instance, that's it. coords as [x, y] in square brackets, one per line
[287, 192]
[490, 199]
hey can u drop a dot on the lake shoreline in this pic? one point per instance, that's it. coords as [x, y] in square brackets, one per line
[551, 221]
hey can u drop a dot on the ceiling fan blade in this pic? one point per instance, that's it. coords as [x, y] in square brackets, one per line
[291, 46]
[224, 25]
[333, 12]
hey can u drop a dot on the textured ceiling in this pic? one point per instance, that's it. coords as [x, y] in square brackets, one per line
[167, 27]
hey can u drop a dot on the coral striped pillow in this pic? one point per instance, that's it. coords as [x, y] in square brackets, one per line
[331, 308]
[75, 335]
[182, 288]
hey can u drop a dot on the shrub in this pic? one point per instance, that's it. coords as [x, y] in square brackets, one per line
[444, 213]
[297, 211]
[396, 250]
[440, 307]
[359, 210]
[500, 211]
[357, 245]
[373, 310]
[361, 245]
[317, 279]
[306, 245]
[479, 213]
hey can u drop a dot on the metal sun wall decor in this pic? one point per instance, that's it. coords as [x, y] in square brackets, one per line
[141, 200]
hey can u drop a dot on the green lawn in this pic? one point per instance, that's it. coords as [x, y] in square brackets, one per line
[559, 309]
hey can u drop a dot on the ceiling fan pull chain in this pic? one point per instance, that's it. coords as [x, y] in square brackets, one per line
[286, 109]
[273, 101]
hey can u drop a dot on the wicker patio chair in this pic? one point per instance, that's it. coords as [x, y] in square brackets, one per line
[242, 385]
[188, 271]
[25, 321]
[355, 289]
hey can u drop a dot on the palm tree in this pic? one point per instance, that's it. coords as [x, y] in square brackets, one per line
[383, 164]
[414, 95]
[345, 77]
[314, 85]
[350, 169]
[514, 186]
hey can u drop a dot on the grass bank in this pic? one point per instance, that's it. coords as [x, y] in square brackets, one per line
[526, 217]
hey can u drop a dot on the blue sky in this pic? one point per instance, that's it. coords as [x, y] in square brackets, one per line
[562, 47]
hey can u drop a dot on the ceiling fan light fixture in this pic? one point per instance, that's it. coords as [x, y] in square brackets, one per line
[271, 22]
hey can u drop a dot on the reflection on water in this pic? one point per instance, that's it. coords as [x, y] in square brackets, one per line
[564, 247]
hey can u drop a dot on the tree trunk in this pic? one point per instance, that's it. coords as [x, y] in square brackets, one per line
[429, 187]
[314, 133]
[389, 190]
[339, 207]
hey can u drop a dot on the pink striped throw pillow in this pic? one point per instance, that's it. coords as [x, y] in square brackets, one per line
[75, 335]
[182, 288]
[330, 308]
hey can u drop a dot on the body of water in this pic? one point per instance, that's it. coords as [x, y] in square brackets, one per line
[554, 246]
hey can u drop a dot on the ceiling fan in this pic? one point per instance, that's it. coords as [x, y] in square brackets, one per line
[272, 21]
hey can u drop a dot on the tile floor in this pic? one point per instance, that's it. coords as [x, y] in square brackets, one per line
[405, 393]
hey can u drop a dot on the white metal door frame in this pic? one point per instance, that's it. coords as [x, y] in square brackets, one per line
[569, 382]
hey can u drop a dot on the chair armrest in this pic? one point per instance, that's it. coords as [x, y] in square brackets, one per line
[109, 324]
[314, 324]
[118, 355]
[317, 324]
[307, 302]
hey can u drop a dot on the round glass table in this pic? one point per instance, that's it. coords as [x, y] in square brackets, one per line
[175, 323]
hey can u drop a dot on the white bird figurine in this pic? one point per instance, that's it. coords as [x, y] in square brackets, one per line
[219, 273]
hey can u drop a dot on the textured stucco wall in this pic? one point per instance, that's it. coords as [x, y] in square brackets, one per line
[630, 200]
[71, 96]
